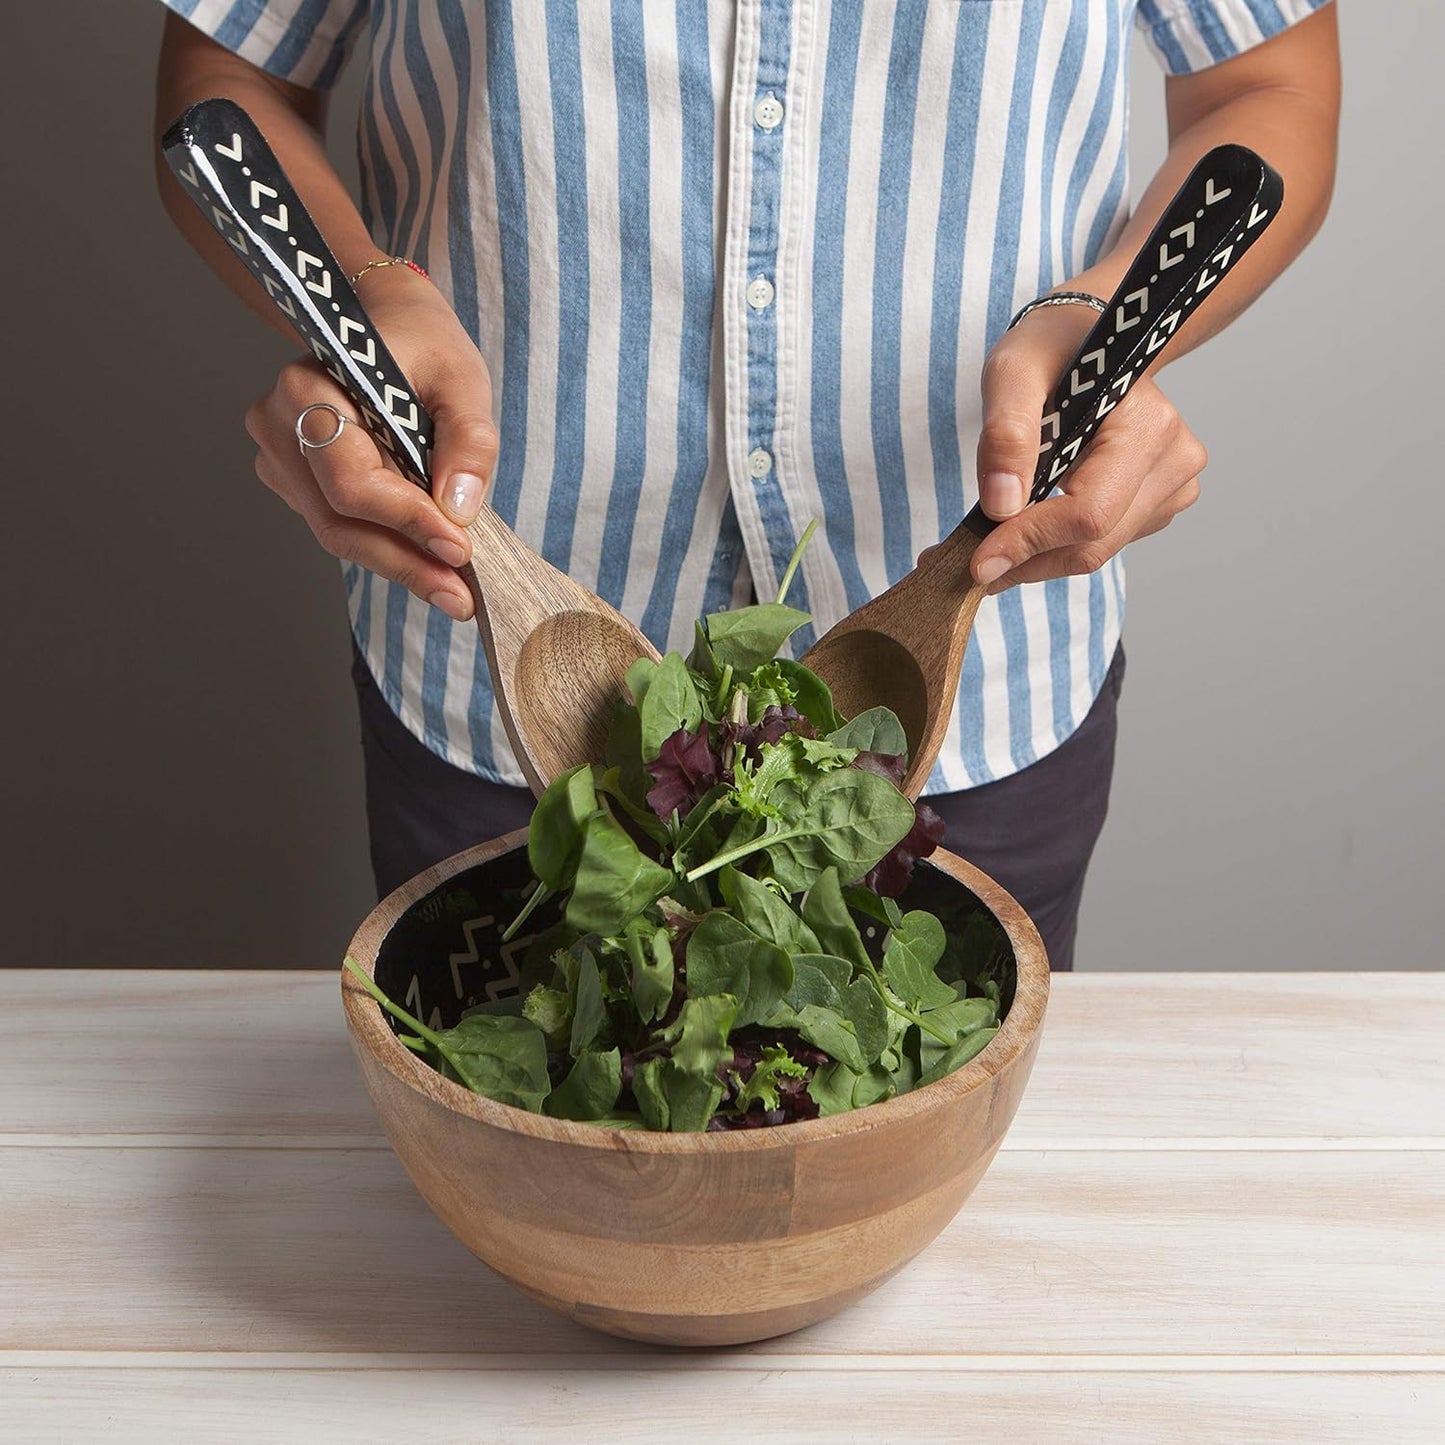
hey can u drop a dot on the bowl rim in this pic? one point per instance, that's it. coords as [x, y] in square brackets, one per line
[367, 1023]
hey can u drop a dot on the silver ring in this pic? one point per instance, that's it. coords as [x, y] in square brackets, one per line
[342, 422]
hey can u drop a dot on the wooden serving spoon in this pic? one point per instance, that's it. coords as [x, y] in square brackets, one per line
[904, 649]
[558, 653]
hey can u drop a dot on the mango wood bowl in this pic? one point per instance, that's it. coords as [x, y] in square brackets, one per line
[684, 1239]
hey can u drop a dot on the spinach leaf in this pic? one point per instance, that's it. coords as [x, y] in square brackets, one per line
[615, 879]
[610, 782]
[670, 704]
[872, 905]
[873, 1086]
[827, 915]
[700, 832]
[670, 1098]
[909, 958]
[968, 1047]
[960, 1019]
[750, 636]
[590, 1090]
[850, 819]
[832, 1088]
[624, 752]
[864, 1008]
[762, 1085]
[639, 679]
[649, 951]
[501, 1057]
[699, 1034]
[554, 840]
[767, 913]
[819, 978]
[812, 697]
[724, 956]
[875, 731]
[589, 1013]
[825, 1028]
[701, 659]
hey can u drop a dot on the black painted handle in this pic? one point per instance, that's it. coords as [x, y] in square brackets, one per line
[233, 176]
[1224, 207]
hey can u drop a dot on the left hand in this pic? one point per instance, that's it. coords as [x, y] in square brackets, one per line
[1139, 472]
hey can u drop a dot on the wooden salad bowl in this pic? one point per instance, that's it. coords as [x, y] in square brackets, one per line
[680, 1239]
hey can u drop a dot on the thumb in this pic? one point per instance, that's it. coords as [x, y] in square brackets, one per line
[463, 455]
[1014, 391]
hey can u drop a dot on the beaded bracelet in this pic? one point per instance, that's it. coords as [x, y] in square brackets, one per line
[1060, 298]
[391, 261]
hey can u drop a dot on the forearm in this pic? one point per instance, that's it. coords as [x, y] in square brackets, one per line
[1282, 101]
[194, 68]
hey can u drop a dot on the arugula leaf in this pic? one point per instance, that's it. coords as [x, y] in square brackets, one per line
[724, 956]
[649, 950]
[762, 1085]
[910, 955]
[700, 829]
[768, 914]
[590, 1090]
[875, 731]
[699, 1034]
[615, 879]
[747, 637]
[554, 838]
[968, 1047]
[827, 915]
[670, 705]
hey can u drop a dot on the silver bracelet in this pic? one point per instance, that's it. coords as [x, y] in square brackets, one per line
[1060, 298]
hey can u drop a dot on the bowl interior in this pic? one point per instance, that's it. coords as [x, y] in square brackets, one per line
[445, 953]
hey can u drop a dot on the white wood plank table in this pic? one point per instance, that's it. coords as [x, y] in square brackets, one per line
[1219, 1216]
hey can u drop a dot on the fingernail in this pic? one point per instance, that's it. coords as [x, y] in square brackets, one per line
[449, 552]
[455, 606]
[464, 496]
[992, 570]
[1002, 494]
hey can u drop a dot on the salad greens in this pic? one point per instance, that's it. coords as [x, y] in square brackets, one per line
[730, 953]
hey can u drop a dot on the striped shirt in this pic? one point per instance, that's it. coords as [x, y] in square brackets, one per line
[733, 265]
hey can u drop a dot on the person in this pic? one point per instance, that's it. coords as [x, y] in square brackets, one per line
[733, 266]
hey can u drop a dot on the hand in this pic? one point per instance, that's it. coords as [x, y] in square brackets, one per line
[1139, 472]
[350, 494]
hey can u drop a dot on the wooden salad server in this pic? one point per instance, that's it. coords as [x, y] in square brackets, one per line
[904, 649]
[558, 653]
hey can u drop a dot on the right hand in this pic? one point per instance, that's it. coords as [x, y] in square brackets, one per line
[350, 494]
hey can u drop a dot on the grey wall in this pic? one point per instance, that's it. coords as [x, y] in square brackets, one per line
[181, 778]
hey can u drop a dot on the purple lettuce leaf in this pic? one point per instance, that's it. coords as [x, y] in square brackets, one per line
[686, 767]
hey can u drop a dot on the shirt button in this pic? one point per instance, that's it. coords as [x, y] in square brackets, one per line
[760, 463]
[760, 293]
[768, 112]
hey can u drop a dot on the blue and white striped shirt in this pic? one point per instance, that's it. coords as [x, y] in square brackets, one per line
[735, 264]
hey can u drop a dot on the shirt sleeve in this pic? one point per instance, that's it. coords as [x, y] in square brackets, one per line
[1190, 35]
[303, 41]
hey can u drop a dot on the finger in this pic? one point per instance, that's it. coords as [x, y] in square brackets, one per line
[376, 548]
[1156, 506]
[464, 454]
[352, 475]
[1015, 387]
[1100, 490]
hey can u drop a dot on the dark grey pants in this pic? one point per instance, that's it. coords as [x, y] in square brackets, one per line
[1033, 832]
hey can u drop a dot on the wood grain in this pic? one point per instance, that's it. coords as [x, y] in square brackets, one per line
[558, 653]
[904, 650]
[261, 1058]
[706, 1238]
[1105, 1254]
[467, 1405]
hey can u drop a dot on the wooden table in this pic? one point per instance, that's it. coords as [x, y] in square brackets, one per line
[1220, 1216]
